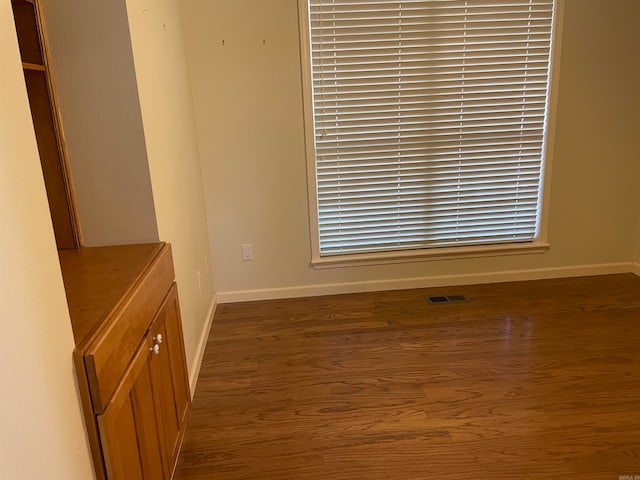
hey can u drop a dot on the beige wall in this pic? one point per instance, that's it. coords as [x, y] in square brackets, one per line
[245, 72]
[249, 113]
[596, 173]
[126, 108]
[174, 162]
[41, 427]
[98, 96]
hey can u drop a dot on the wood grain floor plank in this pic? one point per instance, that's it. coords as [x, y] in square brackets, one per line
[527, 380]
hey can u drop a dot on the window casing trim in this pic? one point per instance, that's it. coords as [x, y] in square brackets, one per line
[427, 254]
[538, 245]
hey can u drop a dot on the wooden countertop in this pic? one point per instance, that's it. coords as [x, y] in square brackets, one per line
[96, 280]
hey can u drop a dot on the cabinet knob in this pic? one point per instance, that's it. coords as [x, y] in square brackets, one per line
[158, 339]
[155, 349]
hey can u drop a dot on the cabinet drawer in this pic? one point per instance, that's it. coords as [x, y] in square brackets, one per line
[107, 358]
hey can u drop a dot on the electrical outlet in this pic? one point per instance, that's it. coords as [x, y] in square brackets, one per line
[247, 252]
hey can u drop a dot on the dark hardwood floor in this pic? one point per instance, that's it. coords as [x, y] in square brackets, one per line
[528, 380]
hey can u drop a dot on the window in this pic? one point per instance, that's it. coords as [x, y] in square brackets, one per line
[428, 123]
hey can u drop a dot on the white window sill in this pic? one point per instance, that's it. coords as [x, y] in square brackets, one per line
[428, 254]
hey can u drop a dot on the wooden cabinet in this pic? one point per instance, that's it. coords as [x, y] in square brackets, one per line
[130, 357]
[46, 121]
[123, 304]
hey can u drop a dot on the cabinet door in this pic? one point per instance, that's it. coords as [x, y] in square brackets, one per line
[169, 375]
[142, 427]
[129, 429]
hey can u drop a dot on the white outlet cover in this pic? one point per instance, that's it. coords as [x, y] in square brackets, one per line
[247, 252]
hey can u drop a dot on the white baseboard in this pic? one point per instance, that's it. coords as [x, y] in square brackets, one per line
[202, 345]
[425, 282]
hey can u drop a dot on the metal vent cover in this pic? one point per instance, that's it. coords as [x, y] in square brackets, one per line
[437, 299]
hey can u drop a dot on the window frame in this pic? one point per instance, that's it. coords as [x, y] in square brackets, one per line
[539, 245]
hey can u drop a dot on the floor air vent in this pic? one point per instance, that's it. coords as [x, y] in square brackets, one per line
[447, 299]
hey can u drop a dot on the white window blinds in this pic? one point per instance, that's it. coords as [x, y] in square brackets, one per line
[429, 121]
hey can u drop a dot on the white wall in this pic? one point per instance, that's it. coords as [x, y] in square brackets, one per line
[245, 71]
[98, 98]
[174, 162]
[41, 426]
